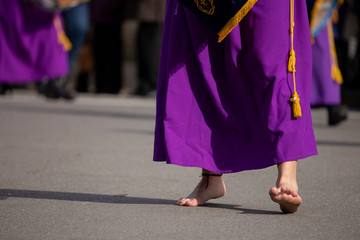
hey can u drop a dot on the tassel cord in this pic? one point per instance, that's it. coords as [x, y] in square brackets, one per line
[291, 66]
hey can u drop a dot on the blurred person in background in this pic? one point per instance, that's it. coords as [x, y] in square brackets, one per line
[107, 17]
[357, 11]
[326, 74]
[33, 48]
[346, 34]
[77, 23]
[354, 69]
[151, 18]
[85, 62]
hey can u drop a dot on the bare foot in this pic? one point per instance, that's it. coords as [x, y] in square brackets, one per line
[285, 192]
[287, 198]
[203, 192]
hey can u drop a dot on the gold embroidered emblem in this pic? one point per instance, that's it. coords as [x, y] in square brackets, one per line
[206, 6]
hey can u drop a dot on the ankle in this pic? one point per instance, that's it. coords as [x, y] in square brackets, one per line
[287, 182]
[286, 172]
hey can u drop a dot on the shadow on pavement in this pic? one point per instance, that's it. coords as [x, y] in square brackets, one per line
[116, 199]
[243, 210]
[80, 197]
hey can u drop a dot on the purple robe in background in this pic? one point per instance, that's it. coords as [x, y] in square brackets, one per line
[225, 106]
[29, 47]
[324, 90]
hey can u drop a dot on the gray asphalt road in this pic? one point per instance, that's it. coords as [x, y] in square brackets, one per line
[83, 170]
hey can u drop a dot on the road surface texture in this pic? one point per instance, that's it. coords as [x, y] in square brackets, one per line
[84, 170]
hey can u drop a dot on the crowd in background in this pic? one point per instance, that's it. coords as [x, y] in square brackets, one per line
[43, 46]
[36, 36]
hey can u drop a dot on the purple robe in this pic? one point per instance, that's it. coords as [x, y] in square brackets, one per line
[29, 47]
[324, 90]
[225, 106]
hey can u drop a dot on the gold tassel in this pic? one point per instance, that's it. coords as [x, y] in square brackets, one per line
[64, 40]
[336, 74]
[295, 99]
[292, 61]
[335, 70]
[296, 104]
[61, 36]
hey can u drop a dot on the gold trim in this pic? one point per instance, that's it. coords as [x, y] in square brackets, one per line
[312, 14]
[234, 21]
[61, 36]
[335, 70]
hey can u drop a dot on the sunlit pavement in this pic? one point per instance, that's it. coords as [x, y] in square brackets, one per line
[84, 170]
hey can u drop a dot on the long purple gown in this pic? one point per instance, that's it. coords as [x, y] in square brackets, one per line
[225, 106]
[29, 47]
[324, 90]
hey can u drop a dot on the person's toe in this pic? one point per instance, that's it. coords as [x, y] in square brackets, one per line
[274, 192]
[285, 190]
[192, 203]
[182, 201]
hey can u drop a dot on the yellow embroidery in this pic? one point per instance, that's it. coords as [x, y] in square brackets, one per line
[206, 6]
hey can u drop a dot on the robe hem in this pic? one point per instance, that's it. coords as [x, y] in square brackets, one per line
[215, 170]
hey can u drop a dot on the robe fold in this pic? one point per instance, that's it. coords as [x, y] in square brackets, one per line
[225, 106]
